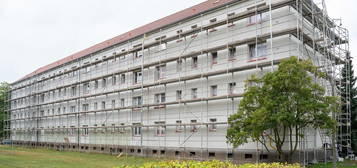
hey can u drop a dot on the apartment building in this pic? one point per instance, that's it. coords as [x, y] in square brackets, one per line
[166, 89]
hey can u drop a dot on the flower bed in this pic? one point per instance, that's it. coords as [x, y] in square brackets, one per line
[209, 164]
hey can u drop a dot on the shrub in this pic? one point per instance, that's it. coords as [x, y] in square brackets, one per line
[209, 164]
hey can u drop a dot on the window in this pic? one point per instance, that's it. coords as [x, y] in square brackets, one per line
[248, 156]
[42, 98]
[96, 84]
[178, 94]
[65, 92]
[214, 90]
[160, 129]
[263, 156]
[85, 107]
[95, 130]
[160, 72]
[179, 126]
[72, 131]
[122, 128]
[192, 154]
[231, 88]
[259, 18]
[193, 126]
[86, 88]
[213, 126]
[114, 80]
[85, 130]
[232, 53]
[113, 103]
[194, 62]
[104, 129]
[95, 106]
[194, 93]
[211, 154]
[87, 69]
[137, 77]
[138, 54]
[73, 91]
[213, 20]
[179, 65]
[112, 128]
[122, 102]
[137, 129]
[103, 104]
[73, 109]
[122, 78]
[230, 14]
[257, 50]
[230, 155]
[104, 83]
[214, 58]
[162, 46]
[137, 101]
[160, 98]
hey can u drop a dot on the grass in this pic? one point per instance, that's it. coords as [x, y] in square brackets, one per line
[13, 157]
[345, 164]
[19, 157]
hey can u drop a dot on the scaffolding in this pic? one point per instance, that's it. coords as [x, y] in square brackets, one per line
[315, 37]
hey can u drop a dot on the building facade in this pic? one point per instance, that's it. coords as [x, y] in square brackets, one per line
[168, 88]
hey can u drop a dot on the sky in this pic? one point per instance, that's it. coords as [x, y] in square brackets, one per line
[34, 33]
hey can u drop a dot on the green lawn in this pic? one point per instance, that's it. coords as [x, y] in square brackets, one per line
[42, 158]
[346, 164]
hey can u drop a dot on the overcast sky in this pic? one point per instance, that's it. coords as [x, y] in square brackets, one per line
[34, 33]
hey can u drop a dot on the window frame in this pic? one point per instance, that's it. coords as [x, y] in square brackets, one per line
[194, 94]
[214, 90]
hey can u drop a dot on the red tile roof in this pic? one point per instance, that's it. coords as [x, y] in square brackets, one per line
[192, 11]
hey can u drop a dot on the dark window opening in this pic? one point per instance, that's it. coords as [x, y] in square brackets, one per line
[192, 153]
[248, 156]
[263, 156]
[211, 154]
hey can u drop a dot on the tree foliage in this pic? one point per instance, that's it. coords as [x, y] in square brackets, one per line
[280, 105]
[348, 75]
[4, 87]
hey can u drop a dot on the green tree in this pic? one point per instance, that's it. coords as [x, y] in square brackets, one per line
[348, 85]
[4, 87]
[281, 104]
